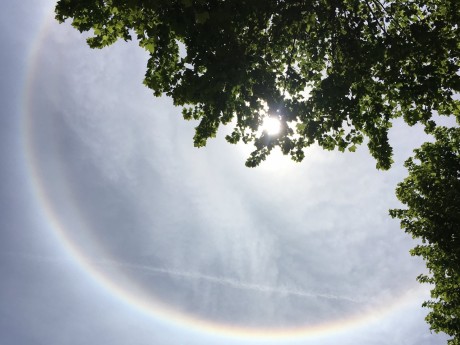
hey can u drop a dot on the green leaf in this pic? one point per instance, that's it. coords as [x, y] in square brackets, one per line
[202, 17]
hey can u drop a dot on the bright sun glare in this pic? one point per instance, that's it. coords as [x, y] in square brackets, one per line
[271, 125]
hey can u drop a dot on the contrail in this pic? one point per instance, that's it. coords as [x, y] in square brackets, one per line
[229, 282]
[224, 281]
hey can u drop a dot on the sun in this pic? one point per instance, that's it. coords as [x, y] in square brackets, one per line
[271, 125]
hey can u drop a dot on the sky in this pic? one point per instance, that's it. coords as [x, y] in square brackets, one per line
[116, 230]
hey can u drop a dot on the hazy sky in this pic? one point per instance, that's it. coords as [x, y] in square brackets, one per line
[115, 230]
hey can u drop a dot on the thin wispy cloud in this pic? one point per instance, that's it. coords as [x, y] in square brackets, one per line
[229, 282]
[194, 275]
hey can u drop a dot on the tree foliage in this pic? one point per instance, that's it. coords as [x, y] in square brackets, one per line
[333, 71]
[431, 193]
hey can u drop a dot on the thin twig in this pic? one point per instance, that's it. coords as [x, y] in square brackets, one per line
[375, 17]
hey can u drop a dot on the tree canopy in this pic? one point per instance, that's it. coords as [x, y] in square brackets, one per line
[334, 72]
[431, 193]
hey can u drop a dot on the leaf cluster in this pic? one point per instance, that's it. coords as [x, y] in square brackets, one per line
[431, 193]
[333, 71]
